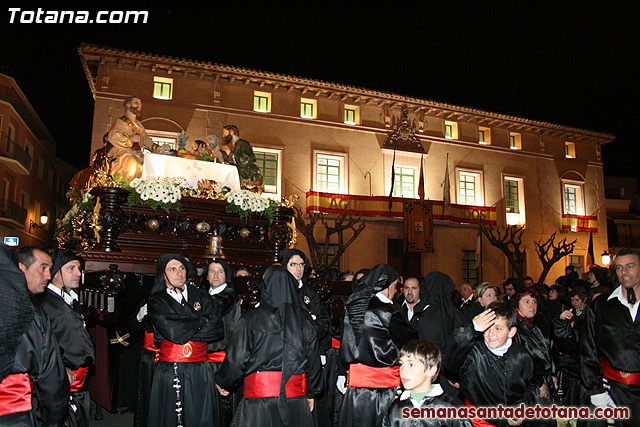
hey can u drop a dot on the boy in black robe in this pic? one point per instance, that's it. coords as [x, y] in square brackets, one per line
[493, 368]
[274, 352]
[185, 319]
[374, 331]
[419, 367]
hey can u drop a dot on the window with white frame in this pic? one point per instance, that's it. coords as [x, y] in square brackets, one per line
[515, 141]
[269, 162]
[162, 87]
[573, 196]
[514, 200]
[330, 172]
[261, 102]
[450, 130]
[484, 135]
[469, 184]
[404, 184]
[308, 108]
[24, 200]
[351, 114]
[569, 150]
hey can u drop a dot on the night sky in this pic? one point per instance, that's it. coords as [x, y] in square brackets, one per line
[574, 64]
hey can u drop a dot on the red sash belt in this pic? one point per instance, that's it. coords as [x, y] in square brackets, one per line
[15, 394]
[335, 343]
[148, 342]
[267, 384]
[630, 378]
[478, 422]
[192, 351]
[367, 376]
[218, 356]
[150, 345]
[80, 373]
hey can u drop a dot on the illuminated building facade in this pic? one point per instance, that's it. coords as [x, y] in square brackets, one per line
[333, 145]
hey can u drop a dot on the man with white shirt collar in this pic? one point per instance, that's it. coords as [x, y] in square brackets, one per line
[610, 351]
[218, 276]
[60, 303]
[411, 293]
[185, 319]
[374, 333]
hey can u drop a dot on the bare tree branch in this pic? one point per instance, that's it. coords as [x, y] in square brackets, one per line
[549, 253]
[306, 224]
[509, 243]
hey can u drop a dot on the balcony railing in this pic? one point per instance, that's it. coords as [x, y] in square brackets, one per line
[13, 153]
[12, 213]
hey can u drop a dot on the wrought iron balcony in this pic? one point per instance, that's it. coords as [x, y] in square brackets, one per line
[12, 214]
[14, 156]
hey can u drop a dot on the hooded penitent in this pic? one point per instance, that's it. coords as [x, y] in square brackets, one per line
[436, 291]
[286, 255]
[279, 291]
[379, 278]
[228, 272]
[17, 312]
[62, 257]
[159, 284]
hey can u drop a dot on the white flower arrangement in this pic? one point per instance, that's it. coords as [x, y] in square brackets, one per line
[155, 192]
[245, 203]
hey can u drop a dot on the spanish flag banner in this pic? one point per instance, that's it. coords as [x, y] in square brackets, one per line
[379, 206]
[579, 223]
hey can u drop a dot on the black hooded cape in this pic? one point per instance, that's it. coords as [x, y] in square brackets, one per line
[374, 332]
[277, 336]
[27, 345]
[196, 319]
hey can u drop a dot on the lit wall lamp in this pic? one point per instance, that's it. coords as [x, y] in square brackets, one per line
[606, 258]
[44, 218]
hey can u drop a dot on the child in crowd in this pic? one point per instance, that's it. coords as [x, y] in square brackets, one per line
[493, 368]
[419, 367]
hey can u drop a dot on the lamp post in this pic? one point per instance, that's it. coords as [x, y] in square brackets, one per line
[44, 218]
[606, 258]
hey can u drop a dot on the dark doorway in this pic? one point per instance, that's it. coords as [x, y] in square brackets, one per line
[408, 264]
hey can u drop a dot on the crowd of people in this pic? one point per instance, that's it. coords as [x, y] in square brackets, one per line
[404, 345]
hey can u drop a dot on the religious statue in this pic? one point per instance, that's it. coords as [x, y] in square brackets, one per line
[238, 152]
[213, 141]
[125, 140]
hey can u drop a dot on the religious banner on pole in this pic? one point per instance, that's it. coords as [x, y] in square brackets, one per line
[418, 225]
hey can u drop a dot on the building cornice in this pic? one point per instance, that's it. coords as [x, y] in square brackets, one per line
[318, 88]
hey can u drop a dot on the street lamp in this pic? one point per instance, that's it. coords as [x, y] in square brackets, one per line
[606, 258]
[44, 218]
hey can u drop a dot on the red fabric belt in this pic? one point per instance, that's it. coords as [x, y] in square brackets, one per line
[15, 394]
[218, 356]
[478, 422]
[148, 342]
[192, 351]
[267, 384]
[80, 374]
[630, 378]
[335, 343]
[367, 376]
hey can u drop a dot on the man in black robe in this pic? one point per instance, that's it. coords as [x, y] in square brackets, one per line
[149, 356]
[185, 319]
[218, 276]
[28, 353]
[274, 352]
[610, 350]
[373, 334]
[60, 303]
